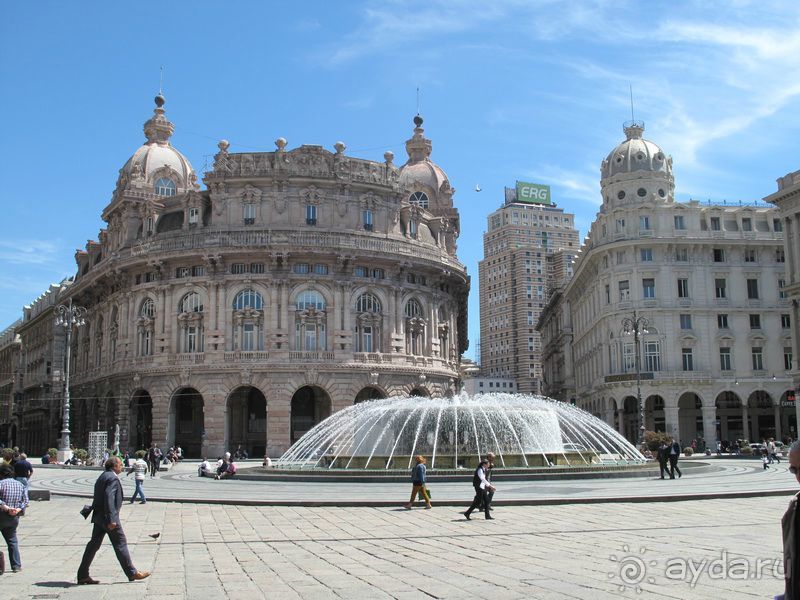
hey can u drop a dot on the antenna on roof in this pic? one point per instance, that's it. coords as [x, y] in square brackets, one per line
[417, 99]
[161, 82]
[631, 89]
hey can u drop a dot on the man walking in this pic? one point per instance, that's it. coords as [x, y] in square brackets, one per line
[139, 469]
[674, 453]
[154, 458]
[23, 471]
[662, 457]
[106, 520]
[13, 501]
[482, 489]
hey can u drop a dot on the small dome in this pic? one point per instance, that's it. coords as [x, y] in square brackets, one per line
[420, 171]
[636, 154]
[156, 163]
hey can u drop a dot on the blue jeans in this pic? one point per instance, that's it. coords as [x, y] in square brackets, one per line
[10, 534]
[25, 483]
[139, 491]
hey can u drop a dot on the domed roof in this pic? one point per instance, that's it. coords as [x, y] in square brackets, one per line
[420, 170]
[157, 158]
[636, 154]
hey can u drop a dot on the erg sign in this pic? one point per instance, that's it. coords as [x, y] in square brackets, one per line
[533, 193]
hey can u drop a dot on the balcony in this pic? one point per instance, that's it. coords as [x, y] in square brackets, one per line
[188, 358]
[311, 356]
[311, 221]
[245, 356]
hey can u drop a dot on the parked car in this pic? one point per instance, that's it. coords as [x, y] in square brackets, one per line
[757, 448]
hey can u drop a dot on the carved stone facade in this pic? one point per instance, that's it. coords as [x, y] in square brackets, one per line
[298, 282]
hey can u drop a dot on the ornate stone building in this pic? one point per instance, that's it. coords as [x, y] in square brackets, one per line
[715, 353]
[298, 282]
[9, 381]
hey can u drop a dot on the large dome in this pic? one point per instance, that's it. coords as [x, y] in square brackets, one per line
[420, 171]
[636, 155]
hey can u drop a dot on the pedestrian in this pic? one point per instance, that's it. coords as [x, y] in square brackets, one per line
[489, 469]
[23, 471]
[106, 505]
[139, 469]
[13, 501]
[154, 459]
[663, 453]
[418, 482]
[674, 453]
[791, 539]
[719, 448]
[126, 460]
[773, 451]
[765, 459]
[482, 490]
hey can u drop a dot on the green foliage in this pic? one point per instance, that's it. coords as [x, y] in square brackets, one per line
[141, 453]
[653, 439]
[81, 454]
[52, 452]
[746, 450]
[688, 451]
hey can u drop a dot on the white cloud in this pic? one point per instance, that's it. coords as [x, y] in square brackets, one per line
[30, 252]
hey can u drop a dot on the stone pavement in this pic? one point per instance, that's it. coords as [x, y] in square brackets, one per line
[601, 551]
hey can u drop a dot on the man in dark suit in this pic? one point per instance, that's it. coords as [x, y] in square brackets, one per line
[674, 453]
[663, 452]
[105, 517]
[482, 489]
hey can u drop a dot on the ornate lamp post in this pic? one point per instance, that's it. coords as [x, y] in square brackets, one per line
[637, 326]
[68, 316]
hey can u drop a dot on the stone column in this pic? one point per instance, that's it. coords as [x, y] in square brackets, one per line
[746, 422]
[672, 422]
[710, 426]
[621, 423]
[778, 424]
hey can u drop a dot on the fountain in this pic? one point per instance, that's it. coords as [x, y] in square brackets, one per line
[524, 432]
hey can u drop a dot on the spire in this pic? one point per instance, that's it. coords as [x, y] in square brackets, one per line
[158, 129]
[418, 147]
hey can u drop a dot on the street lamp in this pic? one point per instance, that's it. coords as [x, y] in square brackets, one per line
[68, 316]
[637, 326]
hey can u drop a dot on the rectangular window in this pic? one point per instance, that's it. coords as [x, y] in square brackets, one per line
[311, 214]
[721, 288]
[367, 338]
[321, 269]
[629, 357]
[683, 288]
[182, 272]
[198, 271]
[361, 272]
[249, 214]
[686, 321]
[747, 225]
[787, 358]
[722, 321]
[191, 339]
[682, 255]
[301, 268]
[366, 219]
[608, 294]
[752, 289]
[786, 321]
[719, 255]
[194, 216]
[620, 225]
[652, 357]
[715, 224]
[646, 254]
[644, 222]
[679, 224]
[755, 321]
[248, 337]
[777, 225]
[378, 274]
[780, 256]
[782, 294]
[749, 255]
[624, 291]
[757, 354]
[725, 359]
[310, 337]
[687, 359]
[620, 257]
[257, 268]
[238, 268]
[648, 288]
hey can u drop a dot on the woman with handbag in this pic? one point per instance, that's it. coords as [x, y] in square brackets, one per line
[418, 482]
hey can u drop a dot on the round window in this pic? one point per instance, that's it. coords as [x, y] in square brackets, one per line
[659, 157]
[642, 192]
[640, 156]
[662, 193]
[620, 194]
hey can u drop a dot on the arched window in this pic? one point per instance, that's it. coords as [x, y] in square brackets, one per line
[368, 323]
[310, 299]
[248, 299]
[419, 198]
[165, 187]
[310, 322]
[191, 303]
[145, 326]
[415, 328]
[190, 323]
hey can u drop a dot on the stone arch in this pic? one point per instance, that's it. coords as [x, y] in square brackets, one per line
[309, 406]
[761, 412]
[140, 423]
[246, 420]
[690, 418]
[730, 413]
[420, 392]
[654, 413]
[630, 419]
[370, 392]
[186, 423]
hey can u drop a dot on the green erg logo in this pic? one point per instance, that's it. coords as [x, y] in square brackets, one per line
[533, 192]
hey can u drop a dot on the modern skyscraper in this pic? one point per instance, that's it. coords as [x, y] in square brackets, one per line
[528, 250]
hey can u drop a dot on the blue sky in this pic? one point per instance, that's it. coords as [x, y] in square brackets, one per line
[510, 89]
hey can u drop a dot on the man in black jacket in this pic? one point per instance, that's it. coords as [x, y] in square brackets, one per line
[482, 490]
[662, 453]
[674, 454]
[105, 517]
